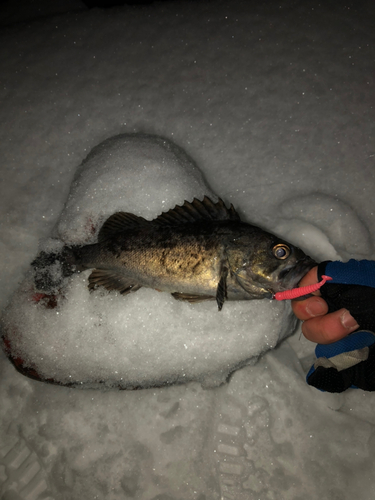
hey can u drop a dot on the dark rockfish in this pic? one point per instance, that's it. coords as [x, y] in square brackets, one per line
[198, 251]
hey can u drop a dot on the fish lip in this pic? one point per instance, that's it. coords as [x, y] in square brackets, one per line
[293, 276]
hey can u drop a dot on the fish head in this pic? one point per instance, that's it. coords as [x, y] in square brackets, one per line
[264, 264]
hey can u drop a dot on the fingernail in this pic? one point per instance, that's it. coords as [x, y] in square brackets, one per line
[316, 308]
[348, 321]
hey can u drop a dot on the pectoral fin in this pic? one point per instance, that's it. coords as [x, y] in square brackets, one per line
[111, 281]
[221, 291]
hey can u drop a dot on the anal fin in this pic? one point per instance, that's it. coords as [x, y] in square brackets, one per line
[111, 281]
[193, 299]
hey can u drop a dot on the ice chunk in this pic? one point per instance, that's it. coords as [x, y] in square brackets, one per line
[146, 338]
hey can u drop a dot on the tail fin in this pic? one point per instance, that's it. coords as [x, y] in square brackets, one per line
[52, 268]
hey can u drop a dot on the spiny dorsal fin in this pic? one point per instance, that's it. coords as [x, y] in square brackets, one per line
[197, 210]
[120, 221]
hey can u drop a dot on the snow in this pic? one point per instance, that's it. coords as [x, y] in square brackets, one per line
[146, 339]
[139, 172]
[273, 104]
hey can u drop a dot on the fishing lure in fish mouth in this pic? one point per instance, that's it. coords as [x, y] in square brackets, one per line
[296, 293]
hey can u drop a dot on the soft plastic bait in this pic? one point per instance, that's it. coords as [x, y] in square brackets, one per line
[301, 291]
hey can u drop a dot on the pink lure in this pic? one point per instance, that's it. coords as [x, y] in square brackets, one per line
[299, 292]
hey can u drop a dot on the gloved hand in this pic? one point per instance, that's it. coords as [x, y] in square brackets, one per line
[349, 362]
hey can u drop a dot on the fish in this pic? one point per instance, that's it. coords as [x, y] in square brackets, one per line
[197, 251]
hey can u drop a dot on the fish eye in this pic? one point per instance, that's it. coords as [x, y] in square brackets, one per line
[281, 251]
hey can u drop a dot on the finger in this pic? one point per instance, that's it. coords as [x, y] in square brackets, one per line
[310, 278]
[309, 308]
[330, 327]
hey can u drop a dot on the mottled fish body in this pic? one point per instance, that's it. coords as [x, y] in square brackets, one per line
[198, 251]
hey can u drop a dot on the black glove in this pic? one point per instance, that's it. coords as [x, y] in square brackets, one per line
[350, 362]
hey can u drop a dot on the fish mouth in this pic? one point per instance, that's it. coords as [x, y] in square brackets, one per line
[289, 278]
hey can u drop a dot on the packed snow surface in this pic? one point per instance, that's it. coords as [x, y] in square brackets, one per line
[272, 102]
[146, 338]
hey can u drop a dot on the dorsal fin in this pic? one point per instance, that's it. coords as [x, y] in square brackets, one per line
[120, 221]
[197, 210]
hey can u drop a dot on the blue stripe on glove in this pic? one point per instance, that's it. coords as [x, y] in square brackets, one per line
[353, 272]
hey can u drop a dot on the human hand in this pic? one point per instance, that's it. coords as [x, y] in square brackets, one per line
[318, 326]
[344, 359]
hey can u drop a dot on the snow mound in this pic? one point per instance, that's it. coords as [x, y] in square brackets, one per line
[146, 338]
[347, 234]
[136, 173]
